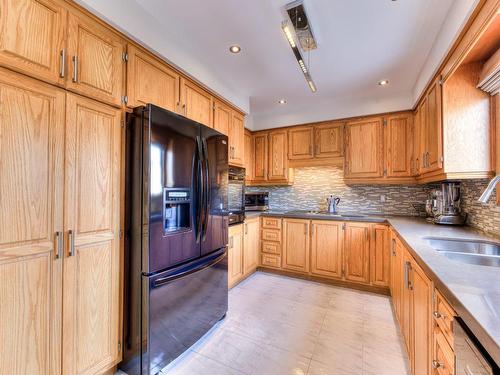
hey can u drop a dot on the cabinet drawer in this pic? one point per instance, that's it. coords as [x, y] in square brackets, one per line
[269, 260]
[271, 247]
[444, 316]
[443, 358]
[271, 235]
[271, 223]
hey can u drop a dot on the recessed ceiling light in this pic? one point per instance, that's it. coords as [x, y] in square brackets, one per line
[384, 82]
[235, 48]
[282, 101]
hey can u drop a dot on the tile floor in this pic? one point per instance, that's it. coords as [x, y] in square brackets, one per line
[281, 325]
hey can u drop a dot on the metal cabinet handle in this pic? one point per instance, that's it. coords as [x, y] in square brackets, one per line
[63, 63]
[246, 228]
[436, 364]
[312, 229]
[393, 247]
[59, 244]
[71, 239]
[75, 69]
[231, 242]
[407, 274]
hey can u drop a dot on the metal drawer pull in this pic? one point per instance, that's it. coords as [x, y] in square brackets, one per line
[63, 63]
[71, 239]
[75, 69]
[436, 364]
[436, 314]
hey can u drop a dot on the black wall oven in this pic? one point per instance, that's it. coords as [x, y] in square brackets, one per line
[236, 195]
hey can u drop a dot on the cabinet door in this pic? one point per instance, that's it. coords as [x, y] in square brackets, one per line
[416, 157]
[364, 154]
[296, 245]
[150, 81]
[31, 188]
[421, 321]
[327, 242]
[434, 139]
[197, 104]
[251, 246]
[424, 134]
[357, 252]
[95, 58]
[398, 145]
[237, 139]
[261, 152]
[329, 140]
[235, 254]
[278, 159]
[406, 300]
[249, 156]
[91, 311]
[222, 117]
[396, 275]
[32, 35]
[300, 143]
[380, 256]
[443, 358]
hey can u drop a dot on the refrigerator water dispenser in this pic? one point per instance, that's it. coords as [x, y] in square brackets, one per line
[177, 209]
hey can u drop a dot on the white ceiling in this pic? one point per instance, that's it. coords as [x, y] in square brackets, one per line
[359, 43]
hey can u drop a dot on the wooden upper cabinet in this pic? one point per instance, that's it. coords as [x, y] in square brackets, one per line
[380, 256]
[31, 188]
[32, 38]
[329, 140]
[296, 245]
[364, 153]
[249, 156]
[150, 80]
[417, 136]
[278, 159]
[301, 142]
[95, 60]
[91, 297]
[197, 104]
[398, 145]
[260, 142]
[357, 252]
[237, 139]
[327, 244]
[434, 128]
[222, 117]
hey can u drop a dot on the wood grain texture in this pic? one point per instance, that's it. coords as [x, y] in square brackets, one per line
[251, 246]
[235, 255]
[197, 103]
[32, 35]
[296, 245]
[380, 256]
[445, 316]
[442, 353]
[31, 166]
[301, 143]
[237, 139]
[92, 210]
[327, 246]
[398, 145]
[260, 141]
[329, 140]
[222, 117]
[357, 252]
[249, 157]
[278, 159]
[150, 80]
[434, 128]
[100, 66]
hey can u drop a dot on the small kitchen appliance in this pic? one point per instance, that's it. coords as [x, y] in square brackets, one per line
[332, 203]
[443, 205]
[257, 201]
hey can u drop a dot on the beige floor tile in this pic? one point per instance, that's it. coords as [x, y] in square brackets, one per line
[192, 363]
[318, 368]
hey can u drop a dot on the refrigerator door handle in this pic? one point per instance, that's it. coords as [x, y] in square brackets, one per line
[200, 191]
[206, 189]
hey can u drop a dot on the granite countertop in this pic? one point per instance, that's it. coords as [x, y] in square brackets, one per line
[472, 290]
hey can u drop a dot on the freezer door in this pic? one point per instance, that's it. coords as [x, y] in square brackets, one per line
[215, 164]
[182, 305]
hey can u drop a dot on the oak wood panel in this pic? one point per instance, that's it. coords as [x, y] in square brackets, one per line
[406, 302]
[357, 252]
[296, 245]
[260, 141]
[327, 243]
[99, 66]
[235, 255]
[434, 127]
[444, 315]
[399, 145]
[271, 235]
[197, 104]
[237, 140]
[364, 152]
[249, 156]
[92, 210]
[31, 187]
[271, 247]
[396, 276]
[301, 142]
[329, 140]
[380, 256]
[222, 117]
[271, 222]
[278, 159]
[251, 246]
[442, 355]
[32, 36]
[270, 260]
[417, 132]
[150, 80]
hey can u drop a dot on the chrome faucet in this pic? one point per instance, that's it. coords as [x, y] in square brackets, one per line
[489, 190]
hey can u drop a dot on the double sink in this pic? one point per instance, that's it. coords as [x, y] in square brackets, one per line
[482, 253]
[323, 213]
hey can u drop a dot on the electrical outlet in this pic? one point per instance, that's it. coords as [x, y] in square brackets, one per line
[382, 198]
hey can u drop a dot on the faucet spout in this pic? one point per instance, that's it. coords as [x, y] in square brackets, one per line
[489, 190]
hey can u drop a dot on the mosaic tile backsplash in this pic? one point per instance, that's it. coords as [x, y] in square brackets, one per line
[313, 184]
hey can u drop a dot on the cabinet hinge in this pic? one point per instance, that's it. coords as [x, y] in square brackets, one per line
[125, 56]
[124, 99]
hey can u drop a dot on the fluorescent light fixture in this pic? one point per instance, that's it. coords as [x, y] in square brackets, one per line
[235, 48]
[288, 34]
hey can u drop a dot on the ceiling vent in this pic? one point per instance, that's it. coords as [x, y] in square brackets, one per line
[489, 80]
[300, 23]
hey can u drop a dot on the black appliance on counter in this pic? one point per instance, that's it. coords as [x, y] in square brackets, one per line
[236, 195]
[176, 285]
[257, 201]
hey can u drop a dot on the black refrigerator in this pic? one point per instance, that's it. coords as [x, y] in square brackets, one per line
[176, 220]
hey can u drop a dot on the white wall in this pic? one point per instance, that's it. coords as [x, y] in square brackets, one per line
[131, 19]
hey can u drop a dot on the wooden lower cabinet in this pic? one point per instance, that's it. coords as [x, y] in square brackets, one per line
[396, 283]
[380, 255]
[251, 246]
[357, 252]
[327, 246]
[296, 245]
[443, 357]
[235, 254]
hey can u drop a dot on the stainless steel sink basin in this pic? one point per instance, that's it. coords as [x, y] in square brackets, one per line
[323, 213]
[481, 253]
